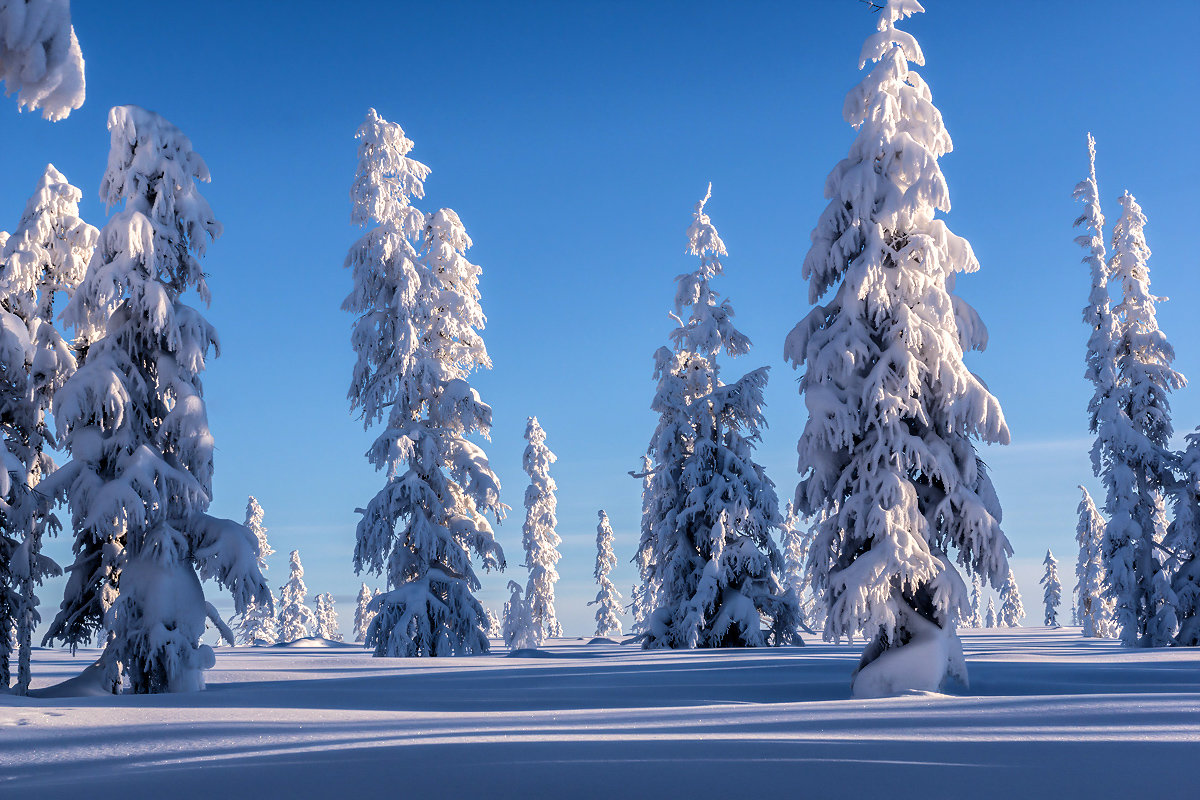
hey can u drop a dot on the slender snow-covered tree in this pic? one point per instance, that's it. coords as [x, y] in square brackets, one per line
[716, 568]
[40, 58]
[495, 629]
[327, 625]
[1052, 595]
[797, 547]
[520, 630]
[888, 457]
[975, 620]
[990, 619]
[1011, 609]
[257, 625]
[1090, 608]
[363, 614]
[538, 535]
[296, 620]
[642, 595]
[1183, 541]
[133, 420]
[1140, 470]
[607, 598]
[45, 257]
[416, 335]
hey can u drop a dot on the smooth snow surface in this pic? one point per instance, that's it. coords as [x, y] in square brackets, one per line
[1051, 715]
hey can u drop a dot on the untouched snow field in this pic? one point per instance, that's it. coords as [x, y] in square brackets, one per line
[1051, 715]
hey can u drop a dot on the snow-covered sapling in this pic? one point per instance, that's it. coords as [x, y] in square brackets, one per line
[257, 626]
[133, 420]
[327, 625]
[495, 629]
[1052, 593]
[520, 632]
[296, 620]
[1011, 610]
[607, 598]
[416, 336]
[40, 59]
[1090, 608]
[363, 614]
[888, 458]
[990, 618]
[538, 535]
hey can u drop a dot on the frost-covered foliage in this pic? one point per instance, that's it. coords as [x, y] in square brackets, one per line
[538, 535]
[1183, 542]
[520, 631]
[46, 255]
[607, 598]
[974, 620]
[363, 614]
[990, 619]
[1052, 593]
[1011, 610]
[495, 630]
[1140, 469]
[327, 625]
[1091, 612]
[296, 620]
[416, 335]
[133, 419]
[887, 457]
[797, 547]
[715, 568]
[40, 58]
[257, 625]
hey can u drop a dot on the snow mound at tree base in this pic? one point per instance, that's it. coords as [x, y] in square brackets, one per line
[317, 641]
[89, 683]
[602, 640]
[930, 663]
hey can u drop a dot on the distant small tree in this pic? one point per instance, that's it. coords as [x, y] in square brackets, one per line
[1052, 595]
[608, 600]
[495, 629]
[327, 625]
[974, 621]
[538, 535]
[519, 629]
[363, 614]
[1011, 610]
[990, 619]
[296, 620]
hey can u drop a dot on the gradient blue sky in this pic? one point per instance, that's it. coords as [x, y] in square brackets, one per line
[573, 140]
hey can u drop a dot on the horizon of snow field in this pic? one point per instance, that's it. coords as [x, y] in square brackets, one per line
[576, 190]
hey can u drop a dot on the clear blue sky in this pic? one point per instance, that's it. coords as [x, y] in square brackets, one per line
[573, 140]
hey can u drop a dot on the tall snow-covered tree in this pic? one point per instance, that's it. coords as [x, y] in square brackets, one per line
[520, 631]
[296, 620]
[607, 598]
[327, 625]
[40, 58]
[1141, 466]
[716, 569]
[887, 456]
[363, 614]
[990, 619]
[974, 620]
[1011, 609]
[1052, 594]
[133, 420]
[538, 535]
[416, 335]
[257, 626]
[1090, 608]
[45, 257]
[1183, 541]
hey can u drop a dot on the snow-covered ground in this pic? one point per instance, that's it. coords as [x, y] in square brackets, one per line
[1050, 715]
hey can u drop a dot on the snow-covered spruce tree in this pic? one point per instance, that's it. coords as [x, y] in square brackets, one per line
[257, 625]
[641, 604]
[887, 455]
[538, 535]
[495, 630]
[1052, 595]
[1011, 609]
[416, 334]
[607, 598]
[1183, 541]
[975, 620]
[990, 619]
[327, 624]
[1141, 466]
[717, 570]
[520, 631]
[46, 255]
[1090, 607]
[296, 620]
[39, 56]
[797, 547]
[363, 614]
[133, 420]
